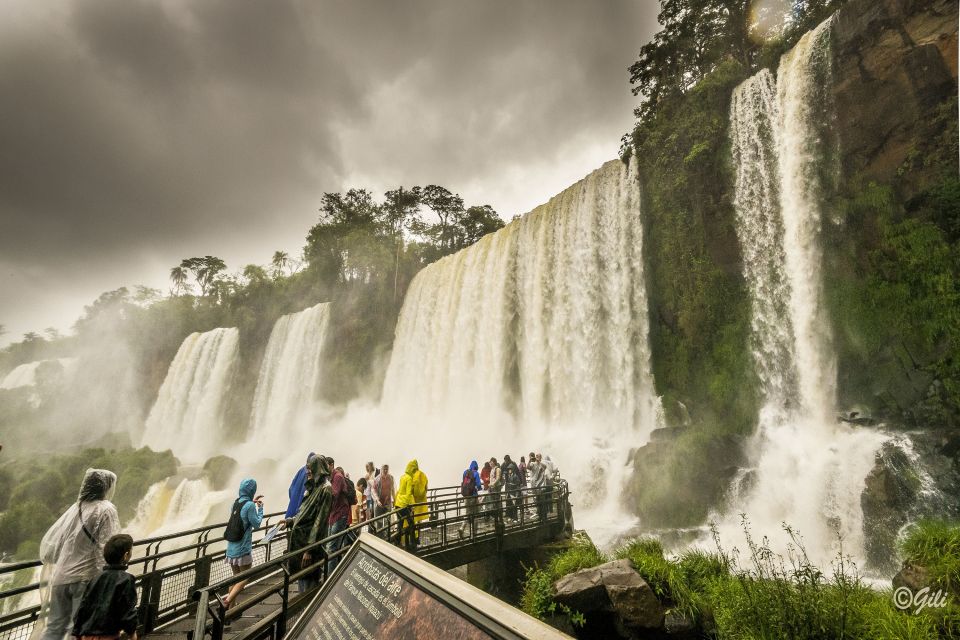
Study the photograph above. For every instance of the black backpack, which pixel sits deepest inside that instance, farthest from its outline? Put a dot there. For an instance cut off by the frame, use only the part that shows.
(351, 491)
(469, 486)
(235, 527)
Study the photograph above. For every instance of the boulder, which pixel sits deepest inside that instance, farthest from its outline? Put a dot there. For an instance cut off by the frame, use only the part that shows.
(613, 590)
(631, 597)
(912, 576)
(219, 470)
(681, 627)
(891, 488)
(582, 591)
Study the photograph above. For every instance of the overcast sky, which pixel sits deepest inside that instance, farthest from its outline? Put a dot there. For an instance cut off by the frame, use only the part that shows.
(134, 134)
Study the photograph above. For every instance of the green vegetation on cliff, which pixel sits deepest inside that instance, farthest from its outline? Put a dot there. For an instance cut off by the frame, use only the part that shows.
(39, 489)
(894, 259)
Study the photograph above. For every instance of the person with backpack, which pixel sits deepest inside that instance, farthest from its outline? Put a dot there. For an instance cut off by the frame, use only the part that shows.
(311, 521)
(72, 550)
(344, 497)
(246, 514)
(470, 485)
(511, 484)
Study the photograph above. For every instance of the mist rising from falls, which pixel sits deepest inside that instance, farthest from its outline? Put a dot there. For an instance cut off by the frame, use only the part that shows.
(809, 472)
(290, 378)
(536, 338)
(188, 414)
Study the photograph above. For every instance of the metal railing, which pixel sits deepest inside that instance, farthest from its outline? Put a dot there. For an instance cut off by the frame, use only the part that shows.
(184, 574)
(493, 518)
(170, 568)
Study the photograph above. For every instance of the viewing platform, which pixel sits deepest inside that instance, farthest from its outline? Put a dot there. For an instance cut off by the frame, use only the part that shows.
(182, 578)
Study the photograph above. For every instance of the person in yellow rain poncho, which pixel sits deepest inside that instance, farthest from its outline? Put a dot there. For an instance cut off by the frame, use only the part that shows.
(412, 489)
(419, 491)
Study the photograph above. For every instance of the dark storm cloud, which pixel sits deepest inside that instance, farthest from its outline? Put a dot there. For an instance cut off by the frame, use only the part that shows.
(136, 133)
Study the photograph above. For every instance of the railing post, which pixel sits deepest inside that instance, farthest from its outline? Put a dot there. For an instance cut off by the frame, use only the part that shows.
(284, 606)
(201, 578)
(150, 600)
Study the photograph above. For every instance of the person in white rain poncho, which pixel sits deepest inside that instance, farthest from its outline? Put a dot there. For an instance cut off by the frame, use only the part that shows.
(72, 550)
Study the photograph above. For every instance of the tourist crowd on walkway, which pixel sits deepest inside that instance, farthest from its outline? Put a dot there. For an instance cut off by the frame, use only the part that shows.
(85, 556)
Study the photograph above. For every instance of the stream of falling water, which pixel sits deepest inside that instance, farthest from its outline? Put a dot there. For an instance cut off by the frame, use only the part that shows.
(535, 338)
(808, 471)
(289, 379)
(188, 414)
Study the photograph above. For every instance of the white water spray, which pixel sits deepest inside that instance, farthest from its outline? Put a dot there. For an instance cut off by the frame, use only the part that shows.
(809, 472)
(188, 414)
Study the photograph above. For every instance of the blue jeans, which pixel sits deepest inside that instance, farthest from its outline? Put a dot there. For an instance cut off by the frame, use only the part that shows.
(334, 545)
(64, 602)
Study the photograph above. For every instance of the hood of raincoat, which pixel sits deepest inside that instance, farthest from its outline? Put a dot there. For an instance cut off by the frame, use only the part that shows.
(412, 467)
(248, 488)
(98, 484)
(318, 467)
(473, 465)
(310, 455)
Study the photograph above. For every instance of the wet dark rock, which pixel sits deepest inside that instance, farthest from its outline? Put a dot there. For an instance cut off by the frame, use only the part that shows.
(612, 595)
(914, 577)
(219, 470)
(681, 627)
(892, 488)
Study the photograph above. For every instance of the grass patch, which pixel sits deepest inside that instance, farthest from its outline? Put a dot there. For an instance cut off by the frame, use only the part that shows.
(935, 546)
(769, 595)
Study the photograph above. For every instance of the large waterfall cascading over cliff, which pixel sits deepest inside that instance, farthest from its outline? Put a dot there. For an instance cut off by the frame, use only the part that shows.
(188, 414)
(809, 472)
(289, 378)
(538, 332)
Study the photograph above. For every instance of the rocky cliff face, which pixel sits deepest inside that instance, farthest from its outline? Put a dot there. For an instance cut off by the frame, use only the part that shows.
(895, 63)
(892, 224)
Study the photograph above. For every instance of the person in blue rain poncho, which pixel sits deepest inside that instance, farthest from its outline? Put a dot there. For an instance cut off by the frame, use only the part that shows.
(297, 488)
(240, 553)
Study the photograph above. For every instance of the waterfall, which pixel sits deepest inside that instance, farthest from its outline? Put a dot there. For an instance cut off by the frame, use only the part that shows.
(188, 414)
(176, 504)
(809, 472)
(28, 375)
(25, 375)
(289, 378)
(537, 335)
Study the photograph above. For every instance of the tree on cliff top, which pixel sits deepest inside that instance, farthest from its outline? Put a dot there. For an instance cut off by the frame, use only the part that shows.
(698, 35)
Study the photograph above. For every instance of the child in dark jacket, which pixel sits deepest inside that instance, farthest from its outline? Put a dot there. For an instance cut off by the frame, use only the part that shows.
(109, 603)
